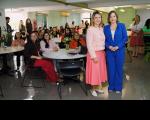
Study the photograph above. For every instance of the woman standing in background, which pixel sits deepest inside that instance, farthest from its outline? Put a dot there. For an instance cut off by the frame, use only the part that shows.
(96, 72)
(136, 36)
(22, 29)
(29, 28)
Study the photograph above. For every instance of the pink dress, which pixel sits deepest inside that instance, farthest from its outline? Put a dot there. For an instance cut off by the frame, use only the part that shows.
(96, 73)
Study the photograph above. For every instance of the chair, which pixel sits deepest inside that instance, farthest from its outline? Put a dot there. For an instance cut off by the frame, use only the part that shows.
(1, 91)
(147, 51)
(71, 69)
(33, 73)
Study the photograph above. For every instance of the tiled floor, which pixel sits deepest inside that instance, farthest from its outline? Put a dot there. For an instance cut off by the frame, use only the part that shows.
(136, 87)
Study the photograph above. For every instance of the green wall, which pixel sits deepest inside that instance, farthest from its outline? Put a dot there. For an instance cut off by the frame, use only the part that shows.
(127, 16)
(105, 15)
(32, 15)
(55, 18)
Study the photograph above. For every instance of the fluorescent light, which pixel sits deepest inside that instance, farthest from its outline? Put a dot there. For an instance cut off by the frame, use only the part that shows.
(122, 10)
(74, 1)
(115, 7)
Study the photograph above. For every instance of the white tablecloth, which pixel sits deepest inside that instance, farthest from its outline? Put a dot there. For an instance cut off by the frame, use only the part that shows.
(10, 50)
(62, 54)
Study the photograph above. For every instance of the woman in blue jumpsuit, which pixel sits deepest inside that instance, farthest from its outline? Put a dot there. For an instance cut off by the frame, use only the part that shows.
(116, 38)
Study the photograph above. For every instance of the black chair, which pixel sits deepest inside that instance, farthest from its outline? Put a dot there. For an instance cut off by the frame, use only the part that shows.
(1, 91)
(72, 70)
(33, 73)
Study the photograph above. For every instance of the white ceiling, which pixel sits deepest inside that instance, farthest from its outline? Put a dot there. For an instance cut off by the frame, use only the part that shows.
(25, 3)
(43, 5)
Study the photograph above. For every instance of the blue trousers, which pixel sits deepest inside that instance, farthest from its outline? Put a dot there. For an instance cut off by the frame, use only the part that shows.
(115, 62)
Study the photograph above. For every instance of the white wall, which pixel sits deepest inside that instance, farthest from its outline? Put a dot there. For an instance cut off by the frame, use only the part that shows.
(144, 14)
(2, 19)
(85, 15)
(15, 17)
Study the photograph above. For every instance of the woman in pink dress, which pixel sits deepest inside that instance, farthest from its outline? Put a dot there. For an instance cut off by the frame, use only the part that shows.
(96, 72)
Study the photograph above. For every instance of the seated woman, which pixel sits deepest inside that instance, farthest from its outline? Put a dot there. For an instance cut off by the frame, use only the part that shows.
(18, 41)
(65, 39)
(40, 35)
(32, 50)
(55, 33)
(77, 41)
(47, 44)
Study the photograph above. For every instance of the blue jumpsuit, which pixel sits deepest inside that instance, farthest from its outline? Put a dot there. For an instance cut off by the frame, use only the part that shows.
(115, 60)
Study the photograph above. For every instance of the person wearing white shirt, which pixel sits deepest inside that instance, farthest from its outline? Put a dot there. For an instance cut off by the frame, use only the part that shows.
(72, 25)
(136, 36)
(47, 44)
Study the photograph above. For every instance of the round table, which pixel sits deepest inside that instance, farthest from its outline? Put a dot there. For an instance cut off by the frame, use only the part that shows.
(62, 54)
(8, 50)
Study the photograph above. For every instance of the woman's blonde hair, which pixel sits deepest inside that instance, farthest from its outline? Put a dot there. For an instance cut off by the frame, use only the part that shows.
(93, 15)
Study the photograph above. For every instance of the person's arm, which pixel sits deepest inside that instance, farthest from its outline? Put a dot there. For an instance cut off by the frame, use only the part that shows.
(89, 38)
(107, 41)
(22, 43)
(36, 57)
(124, 37)
(13, 43)
(82, 42)
(55, 47)
(42, 45)
(28, 53)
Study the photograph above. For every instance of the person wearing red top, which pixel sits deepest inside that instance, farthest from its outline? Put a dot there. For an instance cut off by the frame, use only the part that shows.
(77, 41)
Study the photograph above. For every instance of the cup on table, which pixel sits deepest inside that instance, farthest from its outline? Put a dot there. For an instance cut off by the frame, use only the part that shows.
(67, 47)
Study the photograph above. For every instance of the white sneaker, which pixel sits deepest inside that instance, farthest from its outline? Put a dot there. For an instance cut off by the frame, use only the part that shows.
(118, 92)
(100, 91)
(93, 92)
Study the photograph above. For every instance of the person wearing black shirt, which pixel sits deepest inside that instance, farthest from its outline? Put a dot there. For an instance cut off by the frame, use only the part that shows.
(9, 32)
(33, 57)
(29, 28)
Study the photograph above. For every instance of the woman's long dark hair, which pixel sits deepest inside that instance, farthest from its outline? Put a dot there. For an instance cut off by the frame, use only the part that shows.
(109, 15)
(16, 35)
(46, 43)
(147, 23)
(68, 34)
(29, 26)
